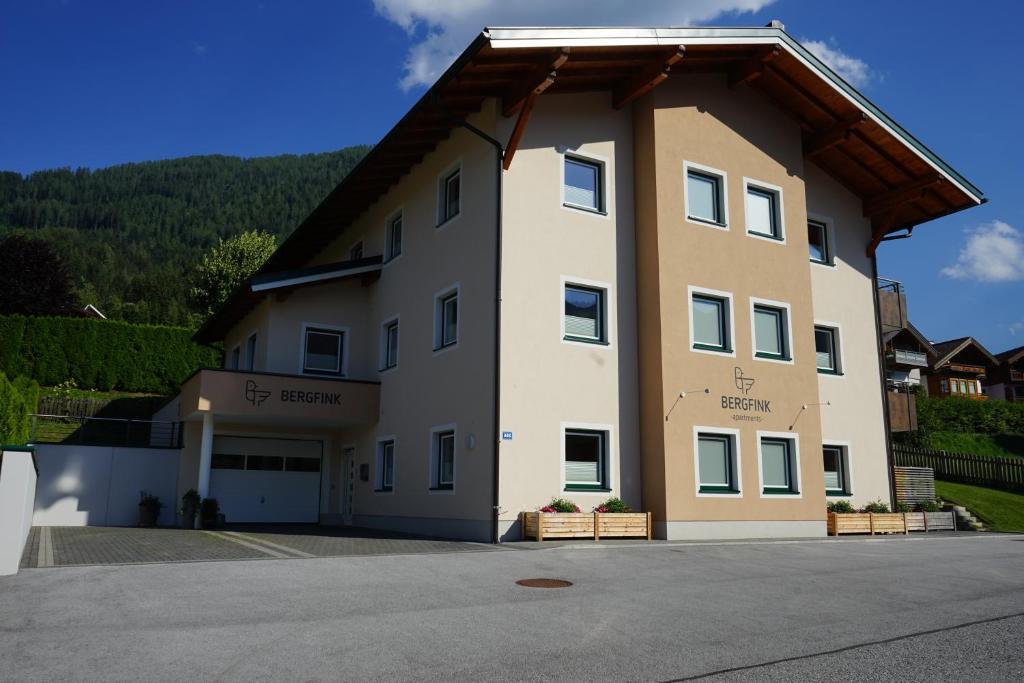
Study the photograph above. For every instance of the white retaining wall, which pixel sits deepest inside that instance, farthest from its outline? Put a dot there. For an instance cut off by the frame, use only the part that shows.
(100, 485)
(17, 492)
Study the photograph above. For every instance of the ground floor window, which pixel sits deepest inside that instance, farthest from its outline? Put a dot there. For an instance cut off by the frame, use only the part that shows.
(585, 466)
(385, 465)
(779, 466)
(836, 479)
(443, 456)
(716, 463)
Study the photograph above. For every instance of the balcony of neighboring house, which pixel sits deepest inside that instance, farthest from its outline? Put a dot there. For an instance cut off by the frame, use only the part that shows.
(892, 304)
(907, 358)
(901, 402)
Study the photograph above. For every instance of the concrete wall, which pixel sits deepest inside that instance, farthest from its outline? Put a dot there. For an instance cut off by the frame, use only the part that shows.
(17, 494)
(100, 485)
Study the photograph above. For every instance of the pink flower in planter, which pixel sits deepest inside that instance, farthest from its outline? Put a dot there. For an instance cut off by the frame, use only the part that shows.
(601, 508)
(547, 508)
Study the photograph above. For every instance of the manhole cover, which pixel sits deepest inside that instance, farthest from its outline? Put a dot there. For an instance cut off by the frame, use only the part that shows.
(544, 583)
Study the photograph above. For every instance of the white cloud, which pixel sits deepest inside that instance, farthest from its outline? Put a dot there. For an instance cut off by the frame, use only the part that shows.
(855, 71)
(994, 252)
(198, 49)
(1016, 327)
(443, 29)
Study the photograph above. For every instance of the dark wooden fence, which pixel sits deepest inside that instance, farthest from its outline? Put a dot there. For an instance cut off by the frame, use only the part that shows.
(914, 484)
(982, 470)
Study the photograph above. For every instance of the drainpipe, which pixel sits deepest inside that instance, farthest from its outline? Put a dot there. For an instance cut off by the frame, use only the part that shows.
(881, 377)
(499, 151)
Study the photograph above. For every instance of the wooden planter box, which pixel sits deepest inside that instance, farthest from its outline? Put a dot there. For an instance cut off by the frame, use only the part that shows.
(597, 525)
(889, 522)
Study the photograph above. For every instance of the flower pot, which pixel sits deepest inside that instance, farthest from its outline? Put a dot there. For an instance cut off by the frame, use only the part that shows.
(595, 525)
(148, 515)
(188, 515)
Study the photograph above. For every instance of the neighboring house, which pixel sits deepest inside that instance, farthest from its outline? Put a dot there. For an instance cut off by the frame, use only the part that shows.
(959, 369)
(905, 352)
(587, 263)
(91, 311)
(1005, 380)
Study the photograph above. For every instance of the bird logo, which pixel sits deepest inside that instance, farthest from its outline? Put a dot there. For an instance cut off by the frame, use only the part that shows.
(253, 393)
(742, 383)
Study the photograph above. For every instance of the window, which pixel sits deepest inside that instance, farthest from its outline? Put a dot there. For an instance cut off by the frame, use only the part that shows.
(836, 481)
(764, 212)
(817, 240)
(585, 456)
(268, 463)
(385, 465)
(584, 184)
(972, 387)
(716, 463)
(302, 464)
(778, 466)
(235, 359)
(709, 323)
(323, 351)
(450, 193)
(584, 317)
(443, 476)
(826, 350)
(356, 252)
(705, 196)
(446, 319)
(770, 333)
(943, 386)
(393, 238)
(389, 345)
(250, 352)
(227, 461)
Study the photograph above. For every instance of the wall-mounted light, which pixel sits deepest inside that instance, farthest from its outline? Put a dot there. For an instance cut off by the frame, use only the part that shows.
(803, 408)
(684, 394)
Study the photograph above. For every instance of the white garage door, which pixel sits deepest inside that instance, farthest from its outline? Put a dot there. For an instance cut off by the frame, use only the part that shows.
(266, 480)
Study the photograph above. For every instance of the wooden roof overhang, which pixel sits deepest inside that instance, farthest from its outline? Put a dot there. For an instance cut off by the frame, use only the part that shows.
(901, 182)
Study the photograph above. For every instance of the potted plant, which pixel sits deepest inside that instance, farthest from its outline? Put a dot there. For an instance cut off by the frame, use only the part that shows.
(208, 512)
(614, 518)
(561, 518)
(189, 508)
(149, 509)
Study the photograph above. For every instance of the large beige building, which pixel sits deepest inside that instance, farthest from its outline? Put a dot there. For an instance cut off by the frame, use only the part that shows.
(587, 263)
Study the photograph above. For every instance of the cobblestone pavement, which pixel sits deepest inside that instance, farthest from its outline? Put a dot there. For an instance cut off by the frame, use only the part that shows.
(79, 546)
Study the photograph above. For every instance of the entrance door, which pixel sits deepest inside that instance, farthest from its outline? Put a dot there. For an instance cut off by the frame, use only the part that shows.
(348, 463)
(266, 480)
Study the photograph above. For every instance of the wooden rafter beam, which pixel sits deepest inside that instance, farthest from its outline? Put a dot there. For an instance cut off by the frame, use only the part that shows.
(645, 80)
(517, 131)
(886, 202)
(537, 82)
(880, 227)
(752, 68)
(834, 135)
(804, 93)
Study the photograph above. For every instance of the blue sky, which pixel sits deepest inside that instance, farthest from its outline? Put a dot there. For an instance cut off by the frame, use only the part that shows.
(100, 83)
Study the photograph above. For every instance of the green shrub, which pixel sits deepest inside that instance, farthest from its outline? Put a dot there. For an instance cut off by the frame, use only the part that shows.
(956, 414)
(613, 505)
(875, 506)
(927, 506)
(903, 507)
(840, 506)
(100, 354)
(560, 505)
(18, 399)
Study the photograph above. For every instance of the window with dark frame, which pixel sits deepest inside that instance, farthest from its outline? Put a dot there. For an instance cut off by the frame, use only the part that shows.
(818, 243)
(386, 467)
(710, 316)
(763, 217)
(323, 351)
(586, 454)
(778, 466)
(450, 196)
(250, 352)
(583, 185)
(584, 314)
(390, 344)
(826, 350)
(770, 333)
(716, 464)
(444, 448)
(235, 359)
(834, 462)
(394, 238)
(704, 197)
(447, 320)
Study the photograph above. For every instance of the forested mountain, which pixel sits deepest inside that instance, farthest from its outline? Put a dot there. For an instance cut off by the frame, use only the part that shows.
(130, 234)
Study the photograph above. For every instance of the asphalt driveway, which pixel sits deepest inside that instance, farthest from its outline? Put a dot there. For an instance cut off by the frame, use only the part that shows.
(916, 609)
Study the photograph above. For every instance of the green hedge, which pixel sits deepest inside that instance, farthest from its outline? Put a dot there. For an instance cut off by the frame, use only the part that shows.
(18, 398)
(100, 354)
(969, 415)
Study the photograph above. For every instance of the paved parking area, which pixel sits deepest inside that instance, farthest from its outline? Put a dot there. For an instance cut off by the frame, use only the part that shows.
(83, 546)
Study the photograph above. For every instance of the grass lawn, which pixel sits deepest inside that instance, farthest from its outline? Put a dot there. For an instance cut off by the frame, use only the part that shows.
(999, 445)
(1000, 510)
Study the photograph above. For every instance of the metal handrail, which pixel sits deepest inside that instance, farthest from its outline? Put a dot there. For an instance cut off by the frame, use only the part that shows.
(148, 433)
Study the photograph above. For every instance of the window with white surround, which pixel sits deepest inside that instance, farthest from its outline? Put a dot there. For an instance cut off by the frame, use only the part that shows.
(250, 352)
(819, 243)
(779, 468)
(385, 465)
(717, 463)
(393, 238)
(235, 358)
(586, 456)
(446, 319)
(771, 332)
(705, 195)
(389, 345)
(826, 350)
(449, 196)
(836, 464)
(710, 321)
(442, 476)
(583, 183)
(584, 314)
(764, 210)
(323, 350)
(356, 252)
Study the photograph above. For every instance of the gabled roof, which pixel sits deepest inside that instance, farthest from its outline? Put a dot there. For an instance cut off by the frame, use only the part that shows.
(1011, 356)
(947, 350)
(901, 181)
(916, 334)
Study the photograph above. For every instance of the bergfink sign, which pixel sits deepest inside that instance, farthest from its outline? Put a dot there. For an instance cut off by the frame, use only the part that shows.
(744, 407)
